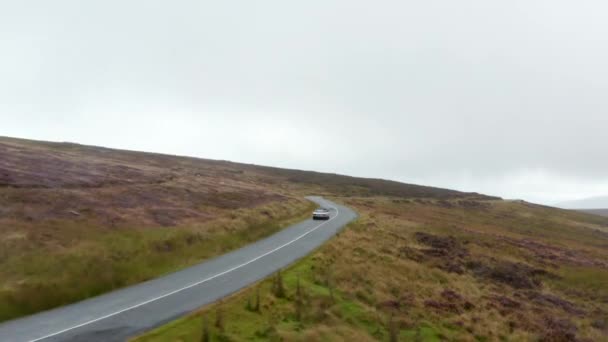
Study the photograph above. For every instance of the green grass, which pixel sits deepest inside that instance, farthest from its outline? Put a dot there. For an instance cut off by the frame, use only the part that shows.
(351, 284)
(277, 320)
(589, 282)
(278, 316)
(44, 278)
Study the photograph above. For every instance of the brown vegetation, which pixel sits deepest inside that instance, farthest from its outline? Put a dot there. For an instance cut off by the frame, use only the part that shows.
(65, 207)
(420, 263)
(437, 269)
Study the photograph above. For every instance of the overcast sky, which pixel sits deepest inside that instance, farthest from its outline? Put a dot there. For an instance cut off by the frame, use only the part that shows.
(508, 98)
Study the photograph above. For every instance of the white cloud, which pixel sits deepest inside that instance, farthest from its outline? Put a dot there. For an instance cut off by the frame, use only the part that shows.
(506, 98)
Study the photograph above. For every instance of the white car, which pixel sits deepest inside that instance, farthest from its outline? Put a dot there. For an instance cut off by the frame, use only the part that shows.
(320, 214)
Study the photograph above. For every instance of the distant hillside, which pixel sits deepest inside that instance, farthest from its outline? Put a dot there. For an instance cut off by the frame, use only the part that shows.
(586, 203)
(30, 164)
(602, 212)
(67, 208)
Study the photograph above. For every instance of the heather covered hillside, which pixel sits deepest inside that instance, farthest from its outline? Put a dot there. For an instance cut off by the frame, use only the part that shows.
(110, 218)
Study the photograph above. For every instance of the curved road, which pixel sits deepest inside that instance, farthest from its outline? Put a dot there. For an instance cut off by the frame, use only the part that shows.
(121, 314)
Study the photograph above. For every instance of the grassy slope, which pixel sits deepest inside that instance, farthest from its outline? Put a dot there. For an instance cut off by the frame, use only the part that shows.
(76, 221)
(413, 269)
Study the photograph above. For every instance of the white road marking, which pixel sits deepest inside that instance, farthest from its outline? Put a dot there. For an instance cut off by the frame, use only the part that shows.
(186, 287)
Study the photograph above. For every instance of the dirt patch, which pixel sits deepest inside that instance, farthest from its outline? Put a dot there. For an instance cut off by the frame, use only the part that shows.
(442, 306)
(447, 253)
(600, 324)
(435, 241)
(441, 246)
(451, 296)
(558, 330)
(402, 303)
(449, 301)
(506, 302)
(503, 304)
(552, 301)
(412, 254)
(517, 275)
(555, 255)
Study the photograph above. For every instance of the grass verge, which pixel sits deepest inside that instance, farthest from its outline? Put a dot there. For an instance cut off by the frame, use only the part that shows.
(101, 261)
(427, 270)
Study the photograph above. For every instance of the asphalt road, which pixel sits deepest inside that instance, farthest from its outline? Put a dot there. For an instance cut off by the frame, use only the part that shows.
(124, 313)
